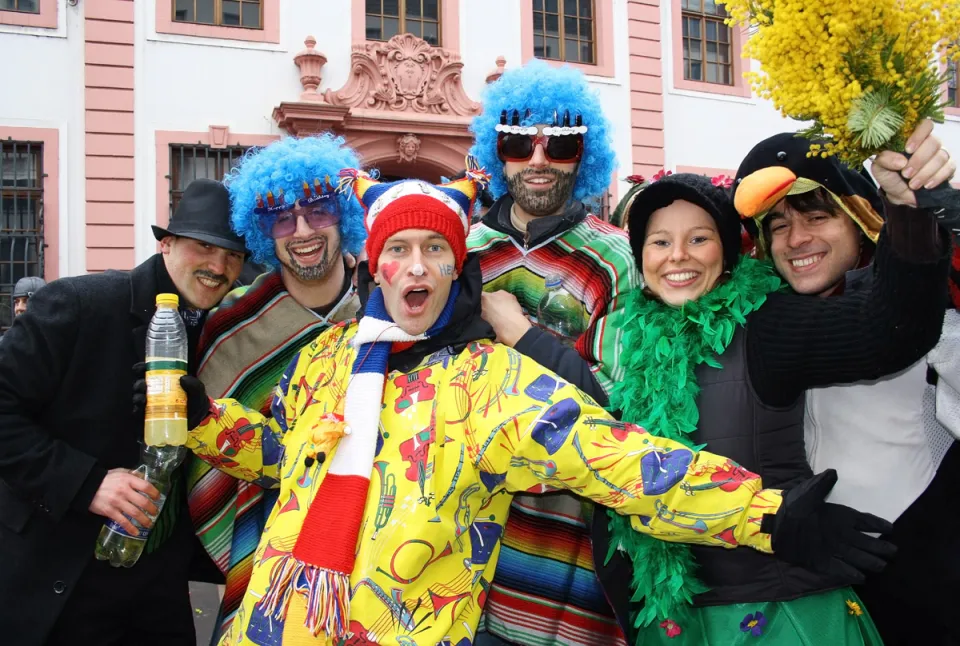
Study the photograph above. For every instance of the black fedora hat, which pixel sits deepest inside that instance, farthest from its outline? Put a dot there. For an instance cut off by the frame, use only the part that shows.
(203, 214)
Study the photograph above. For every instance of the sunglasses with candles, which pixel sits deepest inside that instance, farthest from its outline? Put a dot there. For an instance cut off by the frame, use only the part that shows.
(562, 141)
(556, 148)
(284, 224)
(319, 208)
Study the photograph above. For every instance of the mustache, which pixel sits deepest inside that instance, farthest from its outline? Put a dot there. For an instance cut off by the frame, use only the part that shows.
(203, 273)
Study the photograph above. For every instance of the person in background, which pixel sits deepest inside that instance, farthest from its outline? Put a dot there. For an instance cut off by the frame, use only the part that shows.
(23, 291)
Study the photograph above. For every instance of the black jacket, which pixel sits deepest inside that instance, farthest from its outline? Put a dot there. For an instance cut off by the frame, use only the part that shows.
(66, 418)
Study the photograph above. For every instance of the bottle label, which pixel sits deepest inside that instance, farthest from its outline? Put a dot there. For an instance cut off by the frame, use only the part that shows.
(165, 397)
(139, 536)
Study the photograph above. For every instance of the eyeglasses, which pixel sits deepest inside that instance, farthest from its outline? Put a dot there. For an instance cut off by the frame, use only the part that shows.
(285, 223)
(513, 147)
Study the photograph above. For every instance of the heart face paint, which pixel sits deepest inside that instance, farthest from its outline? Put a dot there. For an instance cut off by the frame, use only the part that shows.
(389, 270)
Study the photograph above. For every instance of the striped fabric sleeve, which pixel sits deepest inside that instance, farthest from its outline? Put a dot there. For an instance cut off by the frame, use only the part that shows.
(244, 443)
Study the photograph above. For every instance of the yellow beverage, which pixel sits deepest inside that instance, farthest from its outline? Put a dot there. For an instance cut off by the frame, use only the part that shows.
(165, 432)
(165, 419)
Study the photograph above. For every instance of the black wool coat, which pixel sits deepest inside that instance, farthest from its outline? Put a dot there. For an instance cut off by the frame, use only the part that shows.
(66, 418)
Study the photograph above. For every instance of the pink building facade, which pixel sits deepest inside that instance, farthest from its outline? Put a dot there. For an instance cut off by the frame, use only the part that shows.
(114, 105)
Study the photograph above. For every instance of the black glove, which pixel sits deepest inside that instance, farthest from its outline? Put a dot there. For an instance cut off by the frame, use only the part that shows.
(827, 538)
(198, 404)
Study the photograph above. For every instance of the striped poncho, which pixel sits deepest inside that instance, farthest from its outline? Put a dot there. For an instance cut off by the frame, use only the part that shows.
(545, 592)
(245, 346)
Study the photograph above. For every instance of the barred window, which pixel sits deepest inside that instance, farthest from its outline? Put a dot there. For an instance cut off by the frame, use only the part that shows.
(706, 42)
(25, 6)
(564, 30)
(387, 18)
(21, 218)
(222, 13)
(953, 80)
(188, 163)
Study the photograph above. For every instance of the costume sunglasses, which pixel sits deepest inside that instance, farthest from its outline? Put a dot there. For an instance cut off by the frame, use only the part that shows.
(513, 147)
(285, 223)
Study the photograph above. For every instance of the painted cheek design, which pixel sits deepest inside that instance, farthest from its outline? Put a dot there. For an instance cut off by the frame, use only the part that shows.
(446, 270)
(389, 270)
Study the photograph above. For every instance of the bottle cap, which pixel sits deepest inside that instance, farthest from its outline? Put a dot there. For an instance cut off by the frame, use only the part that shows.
(554, 280)
(170, 300)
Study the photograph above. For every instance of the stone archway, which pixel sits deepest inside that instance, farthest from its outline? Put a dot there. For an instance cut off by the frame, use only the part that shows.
(433, 155)
(403, 109)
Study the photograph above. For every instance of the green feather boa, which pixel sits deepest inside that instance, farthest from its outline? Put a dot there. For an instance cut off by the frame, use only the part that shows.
(662, 347)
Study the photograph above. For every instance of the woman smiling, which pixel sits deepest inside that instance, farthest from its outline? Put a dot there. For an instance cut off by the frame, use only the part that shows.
(711, 350)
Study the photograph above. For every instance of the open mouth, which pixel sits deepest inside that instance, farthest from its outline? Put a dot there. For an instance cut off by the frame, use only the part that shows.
(807, 263)
(681, 278)
(415, 298)
(539, 181)
(308, 253)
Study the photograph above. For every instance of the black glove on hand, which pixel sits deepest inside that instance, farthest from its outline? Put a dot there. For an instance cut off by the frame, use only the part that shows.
(827, 538)
(198, 404)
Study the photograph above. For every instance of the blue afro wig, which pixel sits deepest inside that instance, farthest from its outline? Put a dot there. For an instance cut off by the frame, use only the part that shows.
(287, 164)
(543, 89)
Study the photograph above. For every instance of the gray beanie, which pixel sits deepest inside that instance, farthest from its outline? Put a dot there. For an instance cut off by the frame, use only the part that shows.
(27, 286)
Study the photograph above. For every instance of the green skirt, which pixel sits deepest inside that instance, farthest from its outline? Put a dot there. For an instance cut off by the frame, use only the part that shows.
(837, 618)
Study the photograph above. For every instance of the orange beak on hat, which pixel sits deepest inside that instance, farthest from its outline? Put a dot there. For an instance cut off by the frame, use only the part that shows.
(760, 191)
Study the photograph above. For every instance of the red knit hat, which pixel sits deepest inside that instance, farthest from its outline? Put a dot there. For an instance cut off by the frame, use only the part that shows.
(415, 204)
(417, 211)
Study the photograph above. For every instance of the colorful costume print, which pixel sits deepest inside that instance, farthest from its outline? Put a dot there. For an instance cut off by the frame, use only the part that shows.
(459, 434)
(246, 344)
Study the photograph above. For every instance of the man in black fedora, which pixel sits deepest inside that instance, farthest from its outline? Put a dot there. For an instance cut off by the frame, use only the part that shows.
(68, 438)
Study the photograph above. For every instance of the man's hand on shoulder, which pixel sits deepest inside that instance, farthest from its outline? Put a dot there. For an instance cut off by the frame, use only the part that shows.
(503, 312)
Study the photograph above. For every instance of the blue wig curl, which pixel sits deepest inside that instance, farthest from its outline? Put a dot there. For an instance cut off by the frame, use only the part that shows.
(287, 164)
(543, 89)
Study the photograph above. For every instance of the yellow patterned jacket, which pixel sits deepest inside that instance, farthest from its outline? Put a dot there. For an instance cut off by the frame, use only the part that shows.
(459, 435)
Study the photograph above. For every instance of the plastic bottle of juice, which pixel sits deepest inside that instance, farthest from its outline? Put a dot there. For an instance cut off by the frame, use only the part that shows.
(165, 422)
(115, 544)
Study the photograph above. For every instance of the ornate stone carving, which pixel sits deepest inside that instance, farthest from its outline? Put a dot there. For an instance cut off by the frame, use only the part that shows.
(310, 62)
(408, 147)
(497, 73)
(405, 74)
